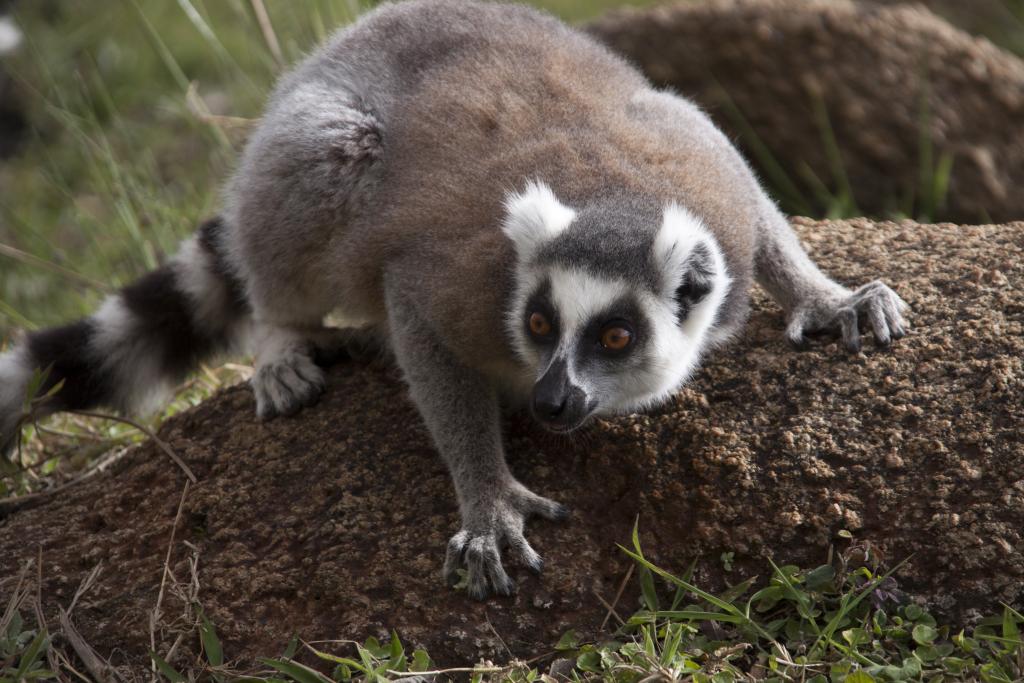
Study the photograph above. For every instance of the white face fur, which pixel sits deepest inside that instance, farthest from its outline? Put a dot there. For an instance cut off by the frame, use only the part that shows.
(598, 343)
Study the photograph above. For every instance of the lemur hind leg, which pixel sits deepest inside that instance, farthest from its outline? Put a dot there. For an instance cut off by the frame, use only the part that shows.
(307, 170)
(461, 412)
(812, 301)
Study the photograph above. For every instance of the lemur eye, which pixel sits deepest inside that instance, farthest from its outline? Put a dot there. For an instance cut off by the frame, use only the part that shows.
(616, 337)
(540, 326)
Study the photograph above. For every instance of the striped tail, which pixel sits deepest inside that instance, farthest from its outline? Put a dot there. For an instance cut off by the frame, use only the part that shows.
(139, 344)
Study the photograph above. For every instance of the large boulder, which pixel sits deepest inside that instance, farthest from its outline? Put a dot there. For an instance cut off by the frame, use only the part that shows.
(845, 95)
(332, 524)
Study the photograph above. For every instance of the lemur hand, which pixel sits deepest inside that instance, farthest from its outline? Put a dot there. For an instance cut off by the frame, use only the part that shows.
(841, 310)
(491, 525)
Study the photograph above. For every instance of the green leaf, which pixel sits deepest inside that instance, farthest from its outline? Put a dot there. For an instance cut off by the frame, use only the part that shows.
(859, 677)
(396, 652)
(688, 615)
(211, 644)
(32, 654)
(820, 578)
(913, 612)
(293, 647)
(420, 661)
(911, 668)
(14, 628)
(734, 593)
(856, 636)
(766, 598)
(647, 589)
(297, 672)
(589, 662)
(924, 634)
(166, 670)
(1010, 630)
(344, 661)
(568, 641)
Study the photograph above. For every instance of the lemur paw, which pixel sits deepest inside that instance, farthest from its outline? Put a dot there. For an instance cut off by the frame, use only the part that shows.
(497, 524)
(287, 384)
(882, 306)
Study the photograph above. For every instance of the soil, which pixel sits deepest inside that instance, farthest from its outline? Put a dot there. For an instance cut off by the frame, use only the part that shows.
(332, 524)
(836, 92)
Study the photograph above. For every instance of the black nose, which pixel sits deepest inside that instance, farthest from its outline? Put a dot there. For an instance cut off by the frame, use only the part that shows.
(549, 407)
(551, 393)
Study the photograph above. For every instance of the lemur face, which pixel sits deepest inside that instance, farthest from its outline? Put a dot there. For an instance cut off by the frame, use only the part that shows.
(614, 303)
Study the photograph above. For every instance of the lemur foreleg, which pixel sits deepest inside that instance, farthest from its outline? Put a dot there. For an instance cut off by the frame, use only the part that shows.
(461, 412)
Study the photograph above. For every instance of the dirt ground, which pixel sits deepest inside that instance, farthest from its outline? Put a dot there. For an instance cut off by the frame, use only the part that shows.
(332, 524)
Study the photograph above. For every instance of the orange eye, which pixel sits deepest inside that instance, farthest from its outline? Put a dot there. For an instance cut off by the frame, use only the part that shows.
(616, 338)
(540, 326)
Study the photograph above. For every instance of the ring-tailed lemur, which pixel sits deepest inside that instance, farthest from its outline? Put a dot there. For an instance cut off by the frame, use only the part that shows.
(510, 208)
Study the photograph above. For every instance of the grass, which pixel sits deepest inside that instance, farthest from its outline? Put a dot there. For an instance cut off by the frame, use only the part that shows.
(844, 621)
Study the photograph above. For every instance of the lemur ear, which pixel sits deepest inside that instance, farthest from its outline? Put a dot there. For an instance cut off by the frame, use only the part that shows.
(534, 216)
(687, 257)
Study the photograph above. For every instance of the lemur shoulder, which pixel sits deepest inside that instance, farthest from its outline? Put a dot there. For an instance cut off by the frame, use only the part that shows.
(512, 211)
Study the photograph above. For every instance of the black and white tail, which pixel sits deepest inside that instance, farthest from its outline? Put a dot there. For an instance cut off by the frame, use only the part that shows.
(139, 344)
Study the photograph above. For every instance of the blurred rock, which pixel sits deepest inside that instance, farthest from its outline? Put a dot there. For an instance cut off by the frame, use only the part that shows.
(895, 87)
(995, 19)
(332, 524)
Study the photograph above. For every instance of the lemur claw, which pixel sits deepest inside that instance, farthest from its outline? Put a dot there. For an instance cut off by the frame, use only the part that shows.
(287, 385)
(881, 306)
(479, 549)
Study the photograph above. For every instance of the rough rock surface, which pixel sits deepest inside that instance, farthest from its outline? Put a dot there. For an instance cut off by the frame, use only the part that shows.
(874, 77)
(332, 524)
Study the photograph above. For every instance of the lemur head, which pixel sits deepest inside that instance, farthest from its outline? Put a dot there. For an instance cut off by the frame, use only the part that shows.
(614, 301)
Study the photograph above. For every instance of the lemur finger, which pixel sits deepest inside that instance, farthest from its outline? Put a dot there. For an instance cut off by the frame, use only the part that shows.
(453, 557)
(484, 565)
(544, 507)
(876, 315)
(847, 318)
(524, 552)
(499, 579)
(293, 391)
(893, 305)
(795, 331)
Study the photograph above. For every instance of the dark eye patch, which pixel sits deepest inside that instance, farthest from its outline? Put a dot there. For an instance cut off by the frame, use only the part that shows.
(627, 312)
(540, 302)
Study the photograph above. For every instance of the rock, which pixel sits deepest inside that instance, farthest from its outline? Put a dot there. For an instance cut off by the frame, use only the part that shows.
(332, 524)
(896, 88)
(994, 19)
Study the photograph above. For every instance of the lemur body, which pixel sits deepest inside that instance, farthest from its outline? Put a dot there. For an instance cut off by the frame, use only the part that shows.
(506, 206)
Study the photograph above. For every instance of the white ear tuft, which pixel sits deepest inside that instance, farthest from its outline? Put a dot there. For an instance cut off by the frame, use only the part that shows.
(681, 231)
(534, 216)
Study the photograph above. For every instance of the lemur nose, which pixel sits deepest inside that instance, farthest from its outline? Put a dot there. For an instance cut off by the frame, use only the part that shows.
(551, 392)
(549, 407)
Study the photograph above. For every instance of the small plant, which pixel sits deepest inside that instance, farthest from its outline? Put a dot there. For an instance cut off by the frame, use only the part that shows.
(842, 621)
(22, 651)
